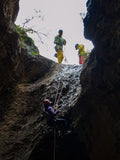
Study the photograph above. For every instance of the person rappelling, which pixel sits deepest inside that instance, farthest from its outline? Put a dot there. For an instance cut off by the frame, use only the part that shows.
(59, 124)
(51, 112)
(48, 108)
(59, 41)
(81, 53)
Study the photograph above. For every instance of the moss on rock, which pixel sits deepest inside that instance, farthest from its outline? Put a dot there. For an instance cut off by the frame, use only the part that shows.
(27, 42)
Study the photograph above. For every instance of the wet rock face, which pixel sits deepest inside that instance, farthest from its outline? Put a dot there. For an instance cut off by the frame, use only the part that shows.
(64, 89)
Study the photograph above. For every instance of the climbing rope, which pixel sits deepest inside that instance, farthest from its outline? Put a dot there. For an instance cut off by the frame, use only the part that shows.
(56, 108)
(57, 94)
(57, 90)
(54, 148)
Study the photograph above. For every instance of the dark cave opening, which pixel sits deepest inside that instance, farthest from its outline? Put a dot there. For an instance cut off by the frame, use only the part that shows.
(68, 147)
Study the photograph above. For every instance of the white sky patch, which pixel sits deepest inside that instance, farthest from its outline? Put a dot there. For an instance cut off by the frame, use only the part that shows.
(58, 14)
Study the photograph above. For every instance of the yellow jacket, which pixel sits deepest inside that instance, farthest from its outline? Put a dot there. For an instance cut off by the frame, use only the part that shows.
(81, 51)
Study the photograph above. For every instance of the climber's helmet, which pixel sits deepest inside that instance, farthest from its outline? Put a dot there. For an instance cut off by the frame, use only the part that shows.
(47, 102)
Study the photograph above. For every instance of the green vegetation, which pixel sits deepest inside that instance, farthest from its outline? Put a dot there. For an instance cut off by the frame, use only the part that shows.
(26, 41)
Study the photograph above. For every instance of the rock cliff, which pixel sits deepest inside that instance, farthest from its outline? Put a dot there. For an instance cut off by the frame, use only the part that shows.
(89, 102)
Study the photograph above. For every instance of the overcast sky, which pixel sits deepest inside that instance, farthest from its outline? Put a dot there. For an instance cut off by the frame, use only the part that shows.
(58, 14)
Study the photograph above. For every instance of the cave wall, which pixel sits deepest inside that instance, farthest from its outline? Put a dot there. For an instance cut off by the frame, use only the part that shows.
(9, 44)
(16, 65)
(100, 79)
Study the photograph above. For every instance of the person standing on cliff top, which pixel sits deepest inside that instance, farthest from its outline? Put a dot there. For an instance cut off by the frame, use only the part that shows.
(59, 41)
(81, 53)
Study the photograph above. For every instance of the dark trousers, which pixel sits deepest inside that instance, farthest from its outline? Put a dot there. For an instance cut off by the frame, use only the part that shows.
(58, 123)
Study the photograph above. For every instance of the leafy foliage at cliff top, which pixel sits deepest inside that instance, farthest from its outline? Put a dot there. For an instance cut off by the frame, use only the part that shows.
(25, 41)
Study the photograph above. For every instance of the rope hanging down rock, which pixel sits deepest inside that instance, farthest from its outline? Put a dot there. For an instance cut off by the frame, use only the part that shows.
(58, 94)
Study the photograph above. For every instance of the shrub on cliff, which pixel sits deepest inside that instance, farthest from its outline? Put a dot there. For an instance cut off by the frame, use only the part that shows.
(26, 41)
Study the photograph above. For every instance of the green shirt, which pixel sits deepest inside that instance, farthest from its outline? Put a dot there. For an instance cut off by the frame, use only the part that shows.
(59, 40)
